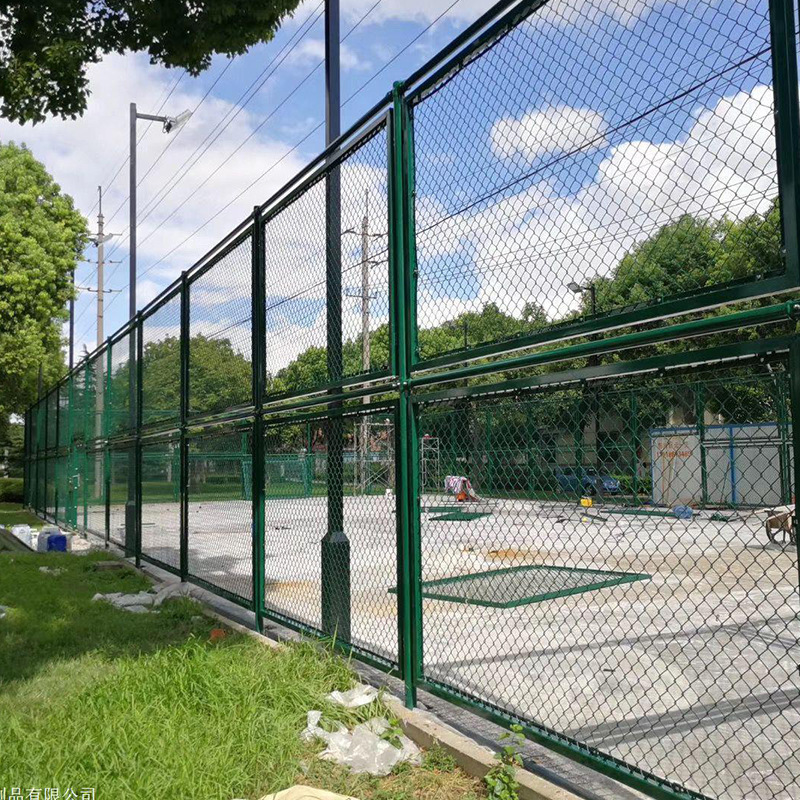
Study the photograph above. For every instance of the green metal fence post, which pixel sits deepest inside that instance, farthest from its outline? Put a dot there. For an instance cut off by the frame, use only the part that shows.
(259, 356)
(407, 450)
(130, 504)
(108, 402)
(183, 445)
(787, 126)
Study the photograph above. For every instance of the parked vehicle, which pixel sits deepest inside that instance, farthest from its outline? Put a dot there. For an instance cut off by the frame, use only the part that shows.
(586, 480)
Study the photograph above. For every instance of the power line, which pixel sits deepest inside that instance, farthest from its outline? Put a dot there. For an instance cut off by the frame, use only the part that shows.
(308, 135)
(227, 118)
(254, 131)
(305, 138)
(122, 165)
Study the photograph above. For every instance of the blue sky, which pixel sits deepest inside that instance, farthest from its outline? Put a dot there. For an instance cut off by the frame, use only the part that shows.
(572, 79)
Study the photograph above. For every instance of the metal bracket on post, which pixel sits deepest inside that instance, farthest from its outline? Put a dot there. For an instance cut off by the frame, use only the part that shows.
(259, 358)
(183, 446)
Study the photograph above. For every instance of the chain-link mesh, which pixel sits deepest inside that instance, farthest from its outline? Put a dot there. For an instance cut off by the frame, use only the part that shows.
(50, 488)
(161, 364)
(78, 406)
(302, 481)
(220, 514)
(121, 463)
(609, 561)
(52, 420)
(95, 393)
(297, 256)
(615, 562)
(220, 334)
(94, 491)
(620, 154)
(160, 499)
(121, 400)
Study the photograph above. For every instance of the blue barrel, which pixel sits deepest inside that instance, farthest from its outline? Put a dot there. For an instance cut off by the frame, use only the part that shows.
(56, 542)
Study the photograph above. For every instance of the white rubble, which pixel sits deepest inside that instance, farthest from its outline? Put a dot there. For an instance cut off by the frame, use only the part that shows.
(143, 601)
(363, 750)
(361, 695)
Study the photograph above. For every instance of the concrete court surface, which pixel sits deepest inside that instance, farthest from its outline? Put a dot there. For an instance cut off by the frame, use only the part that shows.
(691, 673)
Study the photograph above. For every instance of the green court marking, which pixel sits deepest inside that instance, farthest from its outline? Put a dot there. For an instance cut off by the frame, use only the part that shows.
(519, 586)
(639, 512)
(460, 516)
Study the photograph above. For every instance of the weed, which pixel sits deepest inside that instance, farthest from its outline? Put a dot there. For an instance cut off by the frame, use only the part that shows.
(501, 780)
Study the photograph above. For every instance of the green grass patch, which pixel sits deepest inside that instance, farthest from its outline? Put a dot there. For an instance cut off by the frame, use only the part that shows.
(15, 514)
(146, 705)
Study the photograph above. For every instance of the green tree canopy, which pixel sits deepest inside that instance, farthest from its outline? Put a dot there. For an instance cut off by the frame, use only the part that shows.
(42, 236)
(219, 377)
(48, 44)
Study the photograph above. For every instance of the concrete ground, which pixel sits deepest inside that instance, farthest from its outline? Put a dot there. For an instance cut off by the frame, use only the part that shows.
(690, 674)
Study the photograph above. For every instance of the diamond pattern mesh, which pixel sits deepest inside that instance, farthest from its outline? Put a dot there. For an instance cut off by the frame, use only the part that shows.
(220, 510)
(690, 674)
(298, 513)
(609, 560)
(161, 364)
(600, 125)
(296, 255)
(220, 344)
(120, 385)
(121, 462)
(160, 493)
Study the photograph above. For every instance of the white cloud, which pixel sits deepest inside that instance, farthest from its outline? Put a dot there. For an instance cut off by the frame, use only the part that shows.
(557, 129)
(528, 245)
(311, 51)
(84, 153)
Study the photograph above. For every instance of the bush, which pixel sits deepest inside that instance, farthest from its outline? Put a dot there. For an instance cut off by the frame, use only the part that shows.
(10, 490)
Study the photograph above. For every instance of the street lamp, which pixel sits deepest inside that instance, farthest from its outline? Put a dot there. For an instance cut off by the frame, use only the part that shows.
(170, 125)
(576, 288)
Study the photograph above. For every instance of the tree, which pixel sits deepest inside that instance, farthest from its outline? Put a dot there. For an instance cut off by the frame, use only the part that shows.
(42, 237)
(219, 378)
(47, 45)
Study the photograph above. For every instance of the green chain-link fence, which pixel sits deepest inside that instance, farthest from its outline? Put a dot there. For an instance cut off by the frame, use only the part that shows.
(428, 400)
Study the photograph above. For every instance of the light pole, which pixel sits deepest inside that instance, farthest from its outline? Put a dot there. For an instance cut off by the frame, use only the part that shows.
(335, 545)
(171, 125)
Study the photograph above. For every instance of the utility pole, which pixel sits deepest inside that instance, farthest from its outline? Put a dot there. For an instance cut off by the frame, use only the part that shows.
(99, 239)
(365, 296)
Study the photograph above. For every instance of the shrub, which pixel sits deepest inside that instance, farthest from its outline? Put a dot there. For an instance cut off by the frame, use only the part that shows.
(10, 490)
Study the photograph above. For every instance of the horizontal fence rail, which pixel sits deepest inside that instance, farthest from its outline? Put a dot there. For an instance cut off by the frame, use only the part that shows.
(429, 401)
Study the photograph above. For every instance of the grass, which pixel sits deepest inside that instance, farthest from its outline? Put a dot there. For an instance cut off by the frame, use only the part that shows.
(150, 705)
(15, 514)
